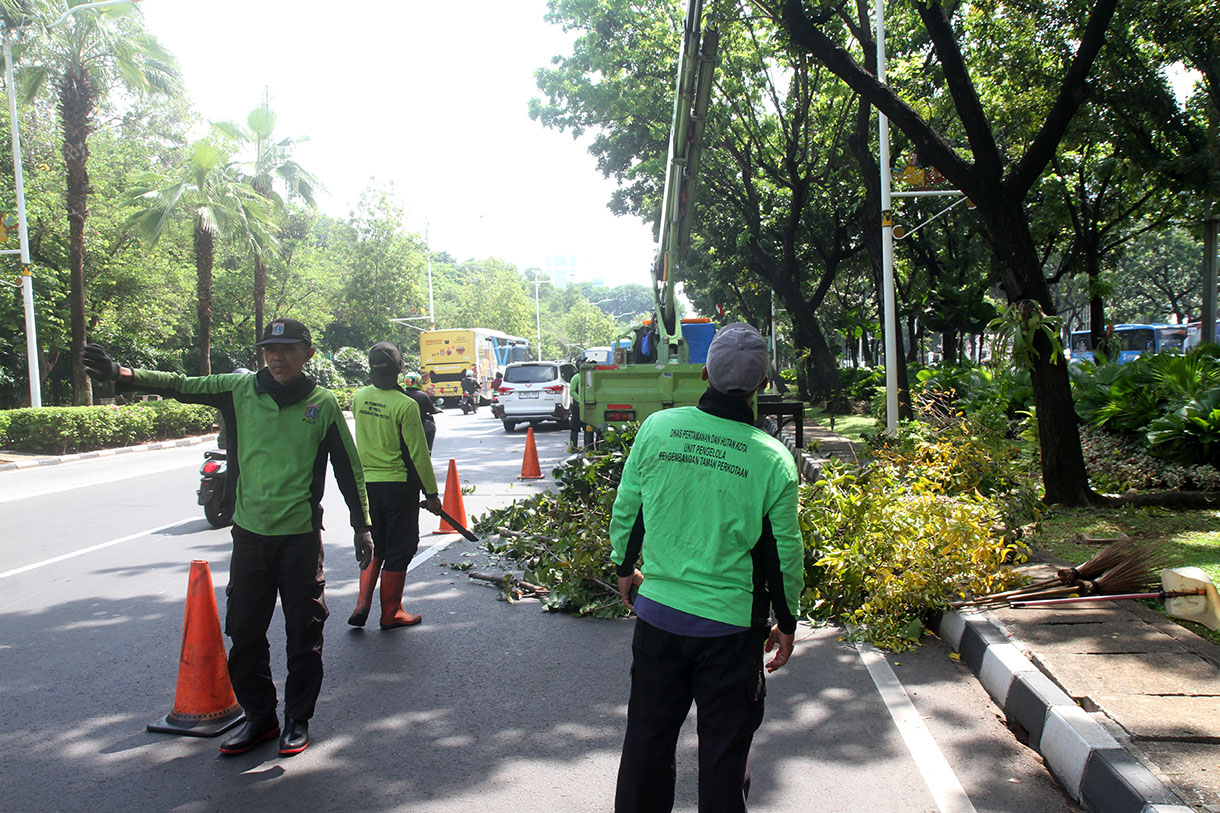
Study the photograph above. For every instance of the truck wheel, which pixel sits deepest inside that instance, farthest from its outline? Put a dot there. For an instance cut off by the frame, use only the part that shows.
(216, 512)
(509, 425)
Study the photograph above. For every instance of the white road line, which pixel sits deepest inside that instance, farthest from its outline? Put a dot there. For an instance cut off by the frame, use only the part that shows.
(431, 551)
(92, 548)
(946, 791)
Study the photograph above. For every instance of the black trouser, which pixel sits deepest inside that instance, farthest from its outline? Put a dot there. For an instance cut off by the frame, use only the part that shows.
(724, 676)
(394, 509)
(262, 566)
(574, 424)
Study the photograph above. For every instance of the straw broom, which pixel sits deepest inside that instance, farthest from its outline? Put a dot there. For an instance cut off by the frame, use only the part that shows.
(1067, 577)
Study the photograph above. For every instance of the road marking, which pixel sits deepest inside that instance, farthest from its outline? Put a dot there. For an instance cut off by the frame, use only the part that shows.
(946, 791)
(92, 548)
(431, 551)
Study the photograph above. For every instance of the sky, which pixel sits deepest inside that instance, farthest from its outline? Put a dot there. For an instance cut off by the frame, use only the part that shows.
(429, 96)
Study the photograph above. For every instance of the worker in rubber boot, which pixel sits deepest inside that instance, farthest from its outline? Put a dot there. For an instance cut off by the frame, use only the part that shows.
(282, 429)
(394, 453)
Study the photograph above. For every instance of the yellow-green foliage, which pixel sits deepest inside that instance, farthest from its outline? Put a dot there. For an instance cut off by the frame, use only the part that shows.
(886, 548)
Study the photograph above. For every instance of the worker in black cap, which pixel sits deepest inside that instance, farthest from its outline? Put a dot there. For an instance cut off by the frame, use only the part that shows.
(394, 453)
(282, 428)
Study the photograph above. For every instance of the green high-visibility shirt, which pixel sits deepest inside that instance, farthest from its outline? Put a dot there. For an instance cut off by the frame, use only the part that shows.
(710, 505)
(390, 437)
(276, 455)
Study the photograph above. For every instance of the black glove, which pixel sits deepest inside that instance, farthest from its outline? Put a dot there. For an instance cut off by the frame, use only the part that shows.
(98, 363)
(364, 547)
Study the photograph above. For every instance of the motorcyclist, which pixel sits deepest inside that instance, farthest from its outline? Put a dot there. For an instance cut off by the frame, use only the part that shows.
(427, 408)
(470, 390)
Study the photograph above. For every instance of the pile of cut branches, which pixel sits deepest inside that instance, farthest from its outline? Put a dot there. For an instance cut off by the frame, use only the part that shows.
(559, 539)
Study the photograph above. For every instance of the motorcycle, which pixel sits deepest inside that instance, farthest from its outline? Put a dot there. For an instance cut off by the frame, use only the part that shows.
(211, 491)
(469, 402)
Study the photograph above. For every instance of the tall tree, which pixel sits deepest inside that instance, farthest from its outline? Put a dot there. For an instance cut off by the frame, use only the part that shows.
(272, 171)
(86, 56)
(997, 179)
(220, 205)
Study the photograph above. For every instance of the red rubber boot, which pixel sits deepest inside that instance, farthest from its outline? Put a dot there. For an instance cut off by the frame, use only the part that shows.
(364, 603)
(393, 616)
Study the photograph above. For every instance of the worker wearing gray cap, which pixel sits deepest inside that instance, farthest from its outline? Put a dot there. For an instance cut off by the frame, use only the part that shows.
(709, 503)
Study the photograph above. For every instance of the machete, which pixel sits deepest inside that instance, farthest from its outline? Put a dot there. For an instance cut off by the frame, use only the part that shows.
(462, 529)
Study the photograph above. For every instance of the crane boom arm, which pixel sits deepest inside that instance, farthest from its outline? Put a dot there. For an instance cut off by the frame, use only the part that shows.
(696, 63)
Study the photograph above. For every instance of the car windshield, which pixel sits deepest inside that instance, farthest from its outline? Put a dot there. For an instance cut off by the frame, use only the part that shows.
(531, 374)
(1140, 339)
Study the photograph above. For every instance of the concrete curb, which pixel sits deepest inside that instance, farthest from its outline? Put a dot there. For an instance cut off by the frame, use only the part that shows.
(68, 458)
(1093, 767)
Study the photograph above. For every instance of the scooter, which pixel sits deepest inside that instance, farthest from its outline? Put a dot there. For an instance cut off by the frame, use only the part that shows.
(211, 491)
(469, 402)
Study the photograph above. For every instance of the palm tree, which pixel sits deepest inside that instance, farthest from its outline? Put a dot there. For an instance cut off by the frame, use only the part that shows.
(86, 55)
(273, 167)
(220, 204)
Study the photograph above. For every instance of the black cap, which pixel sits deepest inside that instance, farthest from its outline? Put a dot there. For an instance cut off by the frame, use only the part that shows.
(384, 360)
(285, 331)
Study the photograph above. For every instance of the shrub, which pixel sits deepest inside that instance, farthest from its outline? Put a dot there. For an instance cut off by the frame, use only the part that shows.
(60, 430)
(322, 370)
(885, 548)
(1118, 463)
(344, 396)
(5, 420)
(352, 365)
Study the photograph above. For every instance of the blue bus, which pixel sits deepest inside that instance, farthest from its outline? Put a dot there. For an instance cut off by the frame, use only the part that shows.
(1133, 341)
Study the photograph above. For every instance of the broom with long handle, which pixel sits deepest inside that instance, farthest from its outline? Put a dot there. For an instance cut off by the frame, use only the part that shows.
(1097, 564)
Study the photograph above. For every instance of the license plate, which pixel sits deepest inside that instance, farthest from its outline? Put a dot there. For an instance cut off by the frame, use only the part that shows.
(527, 394)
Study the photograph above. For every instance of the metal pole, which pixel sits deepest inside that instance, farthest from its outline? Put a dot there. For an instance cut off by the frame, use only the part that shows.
(537, 316)
(887, 243)
(1207, 331)
(428, 249)
(27, 279)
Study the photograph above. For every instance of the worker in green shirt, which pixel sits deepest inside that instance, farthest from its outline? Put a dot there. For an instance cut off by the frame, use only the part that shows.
(709, 504)
(394, 453)
(282, 429)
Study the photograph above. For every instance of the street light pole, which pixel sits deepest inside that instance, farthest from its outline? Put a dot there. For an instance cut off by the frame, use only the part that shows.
(538, 312)
(887, 244)
(27, 279)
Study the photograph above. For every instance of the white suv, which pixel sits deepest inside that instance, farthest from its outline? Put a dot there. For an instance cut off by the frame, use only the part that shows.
(533, 392)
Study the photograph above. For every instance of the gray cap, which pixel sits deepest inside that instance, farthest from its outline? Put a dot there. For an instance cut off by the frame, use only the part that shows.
(737, 359)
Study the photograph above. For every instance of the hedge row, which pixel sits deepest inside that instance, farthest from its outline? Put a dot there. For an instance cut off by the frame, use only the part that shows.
(63, 430)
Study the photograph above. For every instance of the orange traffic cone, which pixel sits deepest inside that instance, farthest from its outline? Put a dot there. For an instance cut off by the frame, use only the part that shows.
(529, 464)
(452, 502)
(204, 705)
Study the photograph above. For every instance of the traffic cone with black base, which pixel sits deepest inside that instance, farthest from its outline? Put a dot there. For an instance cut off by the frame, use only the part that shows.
(364, 602)
(204, 703)
(452, 503)
(393, 616)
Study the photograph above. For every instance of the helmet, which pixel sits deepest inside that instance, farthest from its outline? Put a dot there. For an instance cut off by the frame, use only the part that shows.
(410, 379)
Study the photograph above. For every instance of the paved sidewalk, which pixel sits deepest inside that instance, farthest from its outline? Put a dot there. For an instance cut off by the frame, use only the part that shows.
(1122, 703)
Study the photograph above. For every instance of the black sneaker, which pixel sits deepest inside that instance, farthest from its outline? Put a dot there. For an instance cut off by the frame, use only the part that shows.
(295, 738)
(251, 734)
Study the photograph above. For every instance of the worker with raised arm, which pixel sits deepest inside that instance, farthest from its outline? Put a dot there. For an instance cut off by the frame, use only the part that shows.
(282, 429)
(709, 503)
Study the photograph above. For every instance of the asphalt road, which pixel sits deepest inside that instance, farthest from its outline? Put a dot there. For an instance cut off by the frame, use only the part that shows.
(485, 706)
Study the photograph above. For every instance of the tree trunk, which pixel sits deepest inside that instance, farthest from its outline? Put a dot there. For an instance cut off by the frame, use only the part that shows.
(823, 373)
(76, 98)
(1064, 477)
(948, 346)
(1097, 313)
(204, 252)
